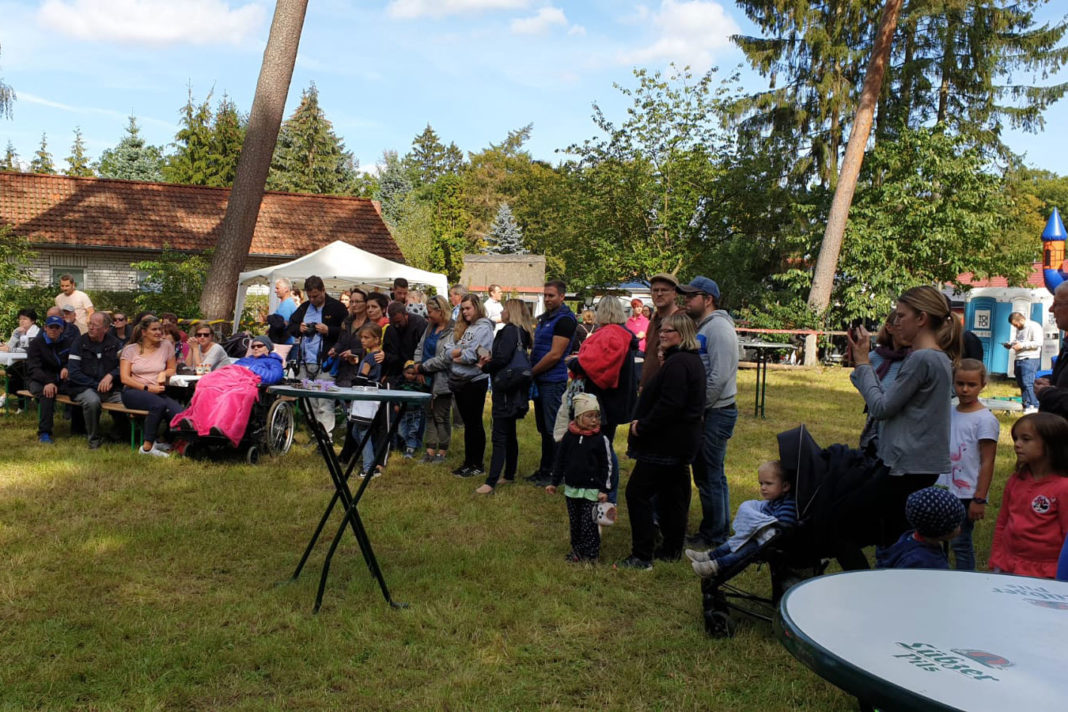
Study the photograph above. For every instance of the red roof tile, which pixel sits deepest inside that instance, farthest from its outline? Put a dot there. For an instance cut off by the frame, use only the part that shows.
(1035, 280)
(98, 212)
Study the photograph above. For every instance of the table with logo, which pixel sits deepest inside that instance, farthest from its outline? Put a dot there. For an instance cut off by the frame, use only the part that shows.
(912, 639)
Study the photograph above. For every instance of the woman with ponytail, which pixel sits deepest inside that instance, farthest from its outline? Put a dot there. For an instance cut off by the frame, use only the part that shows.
(914, 409)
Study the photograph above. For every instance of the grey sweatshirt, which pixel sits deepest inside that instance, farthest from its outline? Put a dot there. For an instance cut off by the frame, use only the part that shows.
(719, 353)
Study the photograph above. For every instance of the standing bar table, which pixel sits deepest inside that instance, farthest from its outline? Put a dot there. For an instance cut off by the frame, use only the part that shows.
(340, 473)
(925, 640)
(763, 348)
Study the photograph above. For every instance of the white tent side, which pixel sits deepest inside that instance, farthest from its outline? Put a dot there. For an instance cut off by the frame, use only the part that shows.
(340, 265)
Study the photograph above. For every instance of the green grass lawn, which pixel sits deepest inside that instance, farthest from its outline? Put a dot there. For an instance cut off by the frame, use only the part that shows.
(128, 582)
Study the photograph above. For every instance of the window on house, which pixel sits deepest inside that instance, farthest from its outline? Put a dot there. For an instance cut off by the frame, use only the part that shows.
(77, 272)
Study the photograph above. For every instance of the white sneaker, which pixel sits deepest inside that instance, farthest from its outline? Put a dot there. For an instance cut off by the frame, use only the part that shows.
(706, 569)
(1029, 410)
(154, 452)
(694, 555)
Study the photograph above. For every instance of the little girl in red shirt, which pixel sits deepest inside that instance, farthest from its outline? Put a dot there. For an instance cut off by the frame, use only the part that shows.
(1033, 521)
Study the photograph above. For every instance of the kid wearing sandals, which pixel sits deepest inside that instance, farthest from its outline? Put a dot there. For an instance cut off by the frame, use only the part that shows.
(585, 465)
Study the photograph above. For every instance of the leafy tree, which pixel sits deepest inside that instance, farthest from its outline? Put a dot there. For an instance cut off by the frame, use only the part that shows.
(449, 227)
(173, 282)
(132, 158)
(7, 99)
(10, 161)
(42, 160)
(15, 259)
(505, 237)
(309, 157)
(394, 185)
(414, 233)
(77, 161)
(926, 211)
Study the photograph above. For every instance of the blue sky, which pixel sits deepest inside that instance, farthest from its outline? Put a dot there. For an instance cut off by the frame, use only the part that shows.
(473, 69)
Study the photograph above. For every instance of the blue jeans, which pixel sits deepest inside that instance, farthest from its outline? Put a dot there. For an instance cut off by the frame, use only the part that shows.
(1025, 379)
(546, 405)
(710, 476)
(410, 428)
(358, 431)
(963, 551)
(727, 558)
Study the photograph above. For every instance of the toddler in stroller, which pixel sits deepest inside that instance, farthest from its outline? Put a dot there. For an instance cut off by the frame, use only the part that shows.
(804, 530)
(753, 523)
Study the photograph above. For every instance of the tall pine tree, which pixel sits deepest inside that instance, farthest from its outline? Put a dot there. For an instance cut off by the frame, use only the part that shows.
(10, 161)
(77, 161)
(42, 160)
(132, 158)
(505, 237)
(191, 161)
(309, 157)
(227, 137)
(394, 185)
(429, 159)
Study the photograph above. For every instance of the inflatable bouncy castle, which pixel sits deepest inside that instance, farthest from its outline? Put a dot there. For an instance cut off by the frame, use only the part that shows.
(1053, 251)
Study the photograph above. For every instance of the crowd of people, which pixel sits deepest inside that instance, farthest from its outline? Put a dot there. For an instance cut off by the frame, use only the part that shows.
(669, 377)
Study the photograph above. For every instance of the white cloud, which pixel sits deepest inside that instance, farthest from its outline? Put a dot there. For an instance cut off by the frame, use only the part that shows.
(577, 30)
(540, 23)
(153, 22)
(690, 32)
(413, 9)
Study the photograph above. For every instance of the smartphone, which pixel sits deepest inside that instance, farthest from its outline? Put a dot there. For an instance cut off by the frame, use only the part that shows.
(854, 328)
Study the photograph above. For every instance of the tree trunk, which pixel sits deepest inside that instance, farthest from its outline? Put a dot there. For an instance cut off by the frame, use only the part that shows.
(819, 298)
(220, 288)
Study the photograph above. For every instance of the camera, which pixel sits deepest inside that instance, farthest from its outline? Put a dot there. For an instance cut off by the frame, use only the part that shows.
(310, 325)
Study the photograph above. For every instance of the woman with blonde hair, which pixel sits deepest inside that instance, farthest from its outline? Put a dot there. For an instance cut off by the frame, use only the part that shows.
(473, 334)
(432, 359)
(509, 366)
(664, 436)
(913, 410)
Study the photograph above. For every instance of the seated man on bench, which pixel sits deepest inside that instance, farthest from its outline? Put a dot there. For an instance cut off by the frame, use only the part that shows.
(93, 373)
(46, 366)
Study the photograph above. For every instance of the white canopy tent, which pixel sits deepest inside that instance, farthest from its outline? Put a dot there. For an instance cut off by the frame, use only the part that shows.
(340, 265)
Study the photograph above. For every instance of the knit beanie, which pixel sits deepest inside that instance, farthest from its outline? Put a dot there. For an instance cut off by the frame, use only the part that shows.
(934, 512)
(265, 341)
(585, 402)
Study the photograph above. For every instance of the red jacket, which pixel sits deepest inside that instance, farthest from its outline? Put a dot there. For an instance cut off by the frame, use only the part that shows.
(602, 353)
(1032, 525)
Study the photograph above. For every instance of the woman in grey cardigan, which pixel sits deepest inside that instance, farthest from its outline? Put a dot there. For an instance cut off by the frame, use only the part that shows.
(914, 409)
(474, 337)
(433, 360)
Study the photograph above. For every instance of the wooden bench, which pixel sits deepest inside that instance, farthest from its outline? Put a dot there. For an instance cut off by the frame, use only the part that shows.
(136, 416)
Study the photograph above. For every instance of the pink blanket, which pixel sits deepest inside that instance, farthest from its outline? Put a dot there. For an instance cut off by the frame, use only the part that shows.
(223, 400)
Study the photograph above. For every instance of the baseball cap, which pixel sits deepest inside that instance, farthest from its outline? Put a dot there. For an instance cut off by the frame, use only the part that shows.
(68, 308)
(702, 285)
(55, 321)
(665, 277)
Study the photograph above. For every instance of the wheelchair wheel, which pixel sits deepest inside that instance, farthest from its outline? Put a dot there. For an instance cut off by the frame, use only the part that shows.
(278, 433)
(252, 455)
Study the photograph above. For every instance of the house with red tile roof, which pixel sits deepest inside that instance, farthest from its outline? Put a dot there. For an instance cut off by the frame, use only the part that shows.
(94, 228)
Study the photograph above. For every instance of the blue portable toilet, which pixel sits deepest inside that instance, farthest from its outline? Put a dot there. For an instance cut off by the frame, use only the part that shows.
(986, 314)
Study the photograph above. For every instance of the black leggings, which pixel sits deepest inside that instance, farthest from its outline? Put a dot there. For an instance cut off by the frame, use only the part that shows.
(471, 401)
(159, 407)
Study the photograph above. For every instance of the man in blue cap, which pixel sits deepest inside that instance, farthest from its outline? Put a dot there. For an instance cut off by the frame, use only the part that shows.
(719, 353)
(46, 366)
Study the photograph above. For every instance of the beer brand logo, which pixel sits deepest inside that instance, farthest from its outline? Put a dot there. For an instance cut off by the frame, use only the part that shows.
(991, 660)
(1055, 605)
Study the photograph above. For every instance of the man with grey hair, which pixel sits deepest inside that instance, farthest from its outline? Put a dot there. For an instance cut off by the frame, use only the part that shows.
(283, 289)
(93, 373)
(1052, 392)
(456, 295)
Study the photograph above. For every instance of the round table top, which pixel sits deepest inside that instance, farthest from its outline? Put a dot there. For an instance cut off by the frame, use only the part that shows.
(914, 639)
(327, 390)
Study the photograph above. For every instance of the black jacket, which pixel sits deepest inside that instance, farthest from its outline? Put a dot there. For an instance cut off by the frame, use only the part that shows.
(45, 359)
(334, 313)
(584, 461)
(90, 361)
(348, 340)
(617, 404)
(670, 410)
(513, 403)
(399, 346)
(1055, 398)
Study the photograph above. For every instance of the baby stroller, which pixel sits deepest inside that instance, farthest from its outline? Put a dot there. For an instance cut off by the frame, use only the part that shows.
(271, 425)
(823, 478)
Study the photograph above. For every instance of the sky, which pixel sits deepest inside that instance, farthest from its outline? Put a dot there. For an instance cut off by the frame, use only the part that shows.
(473, 69)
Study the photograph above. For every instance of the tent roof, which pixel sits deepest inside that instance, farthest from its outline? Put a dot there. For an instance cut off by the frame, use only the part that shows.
(342, 265)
